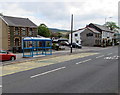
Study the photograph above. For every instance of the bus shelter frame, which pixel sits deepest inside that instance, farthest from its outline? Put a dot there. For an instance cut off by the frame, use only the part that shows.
(34, 49)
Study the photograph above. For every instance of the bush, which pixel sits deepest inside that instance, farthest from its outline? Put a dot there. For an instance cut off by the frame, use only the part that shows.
(55, 46)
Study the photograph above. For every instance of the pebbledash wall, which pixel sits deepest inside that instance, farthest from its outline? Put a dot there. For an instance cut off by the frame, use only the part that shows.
(0, 33)
(90, 40)
(3, 35)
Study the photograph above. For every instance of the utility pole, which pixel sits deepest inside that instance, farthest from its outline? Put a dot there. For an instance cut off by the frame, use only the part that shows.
(71, 31)
(106, 19)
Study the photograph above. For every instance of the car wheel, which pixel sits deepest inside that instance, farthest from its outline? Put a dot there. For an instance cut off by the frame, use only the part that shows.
(12, 58)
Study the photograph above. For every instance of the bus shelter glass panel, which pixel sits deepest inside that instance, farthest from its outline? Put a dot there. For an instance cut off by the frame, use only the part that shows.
(37, 47)
(48, 45)
(27, 50)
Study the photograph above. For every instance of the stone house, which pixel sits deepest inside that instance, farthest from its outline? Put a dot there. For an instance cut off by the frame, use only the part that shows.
(107, 36)
(90, 37)
(86, 36)
(13, 29)
(93, 35)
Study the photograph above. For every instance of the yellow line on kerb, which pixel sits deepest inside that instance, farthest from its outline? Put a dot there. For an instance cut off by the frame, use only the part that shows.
(29, 68)
(19, 71)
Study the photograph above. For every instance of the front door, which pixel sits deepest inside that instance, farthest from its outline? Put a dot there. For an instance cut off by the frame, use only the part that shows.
(17, 44)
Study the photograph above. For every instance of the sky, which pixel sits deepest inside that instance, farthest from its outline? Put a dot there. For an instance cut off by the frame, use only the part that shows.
(57, 13)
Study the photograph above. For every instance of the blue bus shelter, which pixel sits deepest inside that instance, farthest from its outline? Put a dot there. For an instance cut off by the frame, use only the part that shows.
(36, 46)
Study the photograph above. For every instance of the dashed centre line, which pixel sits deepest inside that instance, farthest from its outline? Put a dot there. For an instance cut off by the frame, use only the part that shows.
(47, 72)
(100, 56)
(83, 61)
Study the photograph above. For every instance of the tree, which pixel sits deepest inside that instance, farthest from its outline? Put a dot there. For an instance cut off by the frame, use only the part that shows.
(112, 26)
(43, 30)
(53, 35)
(56, 34)
(59, 35)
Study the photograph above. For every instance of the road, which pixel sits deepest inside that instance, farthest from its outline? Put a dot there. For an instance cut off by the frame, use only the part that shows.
(91, 74)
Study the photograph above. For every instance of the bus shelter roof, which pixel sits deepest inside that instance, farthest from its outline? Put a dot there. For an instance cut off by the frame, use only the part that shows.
(36, 39)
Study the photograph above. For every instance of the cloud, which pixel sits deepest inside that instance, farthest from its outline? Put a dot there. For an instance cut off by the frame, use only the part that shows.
(58, 14)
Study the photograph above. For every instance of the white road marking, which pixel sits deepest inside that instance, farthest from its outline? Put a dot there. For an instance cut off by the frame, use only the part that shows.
(0, 86)
(79, 62)
(107, 58)
(83, 61)
(109, 53)
(87, 60)
(100, 56)
(113, 57)
(47, 72)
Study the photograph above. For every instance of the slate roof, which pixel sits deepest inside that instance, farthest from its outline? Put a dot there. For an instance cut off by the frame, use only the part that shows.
(17, 21)
(93, 30)
(79, 29)
(102, 27)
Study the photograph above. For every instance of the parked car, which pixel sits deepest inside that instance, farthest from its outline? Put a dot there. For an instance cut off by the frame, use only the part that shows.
(76, 45)
(64, 43)
(67, 43)
(5, 55)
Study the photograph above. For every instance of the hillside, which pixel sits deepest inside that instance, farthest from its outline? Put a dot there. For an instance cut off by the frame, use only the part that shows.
(58, 30)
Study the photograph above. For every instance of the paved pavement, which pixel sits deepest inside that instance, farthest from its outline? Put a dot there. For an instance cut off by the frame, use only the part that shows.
(94, 72)
(23, 64)
(55, 53)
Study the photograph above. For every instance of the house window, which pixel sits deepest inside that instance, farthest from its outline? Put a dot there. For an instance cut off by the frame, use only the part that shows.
(16, 42)
(105, 34)
(77, 41)
(89, 34)
(76, 34)
(96, 41)
(99, 35)
(23, 31)
(16, 31)
(96, 35)
(30, 31)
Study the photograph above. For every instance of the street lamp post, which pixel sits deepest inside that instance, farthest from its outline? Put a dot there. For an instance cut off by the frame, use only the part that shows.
(106, 19)
(71, 31)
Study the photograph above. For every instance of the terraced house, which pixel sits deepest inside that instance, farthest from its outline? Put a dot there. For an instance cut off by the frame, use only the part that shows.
(107, 35)
(93, 35)
(13, 29)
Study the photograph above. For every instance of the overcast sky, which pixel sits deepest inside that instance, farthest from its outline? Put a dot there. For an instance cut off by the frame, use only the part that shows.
(57, 13)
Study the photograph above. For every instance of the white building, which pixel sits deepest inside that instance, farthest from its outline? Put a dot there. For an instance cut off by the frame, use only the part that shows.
(102, 36)
(76, 38)
(107, 35)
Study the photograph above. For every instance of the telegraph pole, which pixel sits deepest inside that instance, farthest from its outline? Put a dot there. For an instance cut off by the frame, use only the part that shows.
(71, 31)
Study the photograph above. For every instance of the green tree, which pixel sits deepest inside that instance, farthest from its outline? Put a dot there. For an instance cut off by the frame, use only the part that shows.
(112, 26)
(56, 34)
(59, 35)
(53, 34)
(43, 30)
